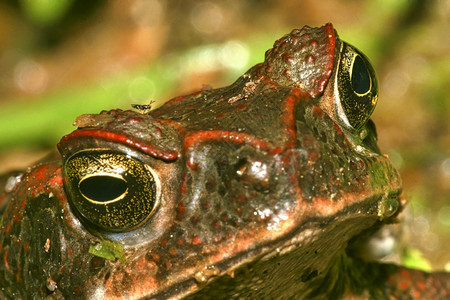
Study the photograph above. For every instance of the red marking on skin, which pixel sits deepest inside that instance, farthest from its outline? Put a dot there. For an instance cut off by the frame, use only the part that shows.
(22, 204)
(167, 155)
(181, 207)
(155, 257)
(405, 273)
(67, 216)
(417, 294)
(421, 285)
(5, 259)
(361, 164)
(181, 210)
(288, 117)
(205, 204)
(191, 164)
(17, 216)
(288, 58)
(287, 73)
(56, 180)
(158, 131)
(337, 129)
(194, 220)
(196, 240)
(183, 185)
(276, 151)
(210, 183)
(317, 110)
(403, 285)
(224, 136)
(134, 120)
(240, 198)
(269, 84)
(3, 198)
(293, 179)
(310, 59)
(171, 123)
(314, 43)
(140, 264)
(217, 224)
(329, 31)
(180, 242)
(281, 45)
(163, 242)
(69, 251)
(173, 251)
(221, 115)
(40, 174)
(322, 84)
(242, 107)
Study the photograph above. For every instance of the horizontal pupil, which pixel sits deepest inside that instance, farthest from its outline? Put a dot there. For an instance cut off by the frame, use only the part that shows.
(103, 188)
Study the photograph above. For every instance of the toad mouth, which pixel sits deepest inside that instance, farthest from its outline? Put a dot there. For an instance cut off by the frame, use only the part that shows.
(304, 243)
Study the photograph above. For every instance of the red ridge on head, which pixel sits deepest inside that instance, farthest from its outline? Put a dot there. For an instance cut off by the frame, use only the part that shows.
(167, 155)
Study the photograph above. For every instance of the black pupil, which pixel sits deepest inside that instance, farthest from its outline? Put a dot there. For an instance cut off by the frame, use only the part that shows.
(360, 76)
(103, 188)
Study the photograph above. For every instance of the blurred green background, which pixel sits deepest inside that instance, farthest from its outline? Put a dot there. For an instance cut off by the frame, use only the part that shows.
(63, 58)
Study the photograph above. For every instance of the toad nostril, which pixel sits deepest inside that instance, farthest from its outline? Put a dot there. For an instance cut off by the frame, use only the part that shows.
(241, 167)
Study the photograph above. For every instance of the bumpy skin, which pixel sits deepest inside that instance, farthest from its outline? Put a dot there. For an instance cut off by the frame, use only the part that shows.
(261, 193)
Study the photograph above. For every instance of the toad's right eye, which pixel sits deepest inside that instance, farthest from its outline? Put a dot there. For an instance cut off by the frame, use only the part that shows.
(356, 92)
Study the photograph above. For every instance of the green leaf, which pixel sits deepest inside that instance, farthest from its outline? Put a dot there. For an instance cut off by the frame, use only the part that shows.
(45, 12)
(412, 258)
(109, 250)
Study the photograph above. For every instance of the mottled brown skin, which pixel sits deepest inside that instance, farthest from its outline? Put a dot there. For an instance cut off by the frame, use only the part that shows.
(262, 191)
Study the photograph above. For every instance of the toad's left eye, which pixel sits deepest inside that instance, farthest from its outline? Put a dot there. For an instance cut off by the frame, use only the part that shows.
(111, 191)
(360, 79)
(356, 88)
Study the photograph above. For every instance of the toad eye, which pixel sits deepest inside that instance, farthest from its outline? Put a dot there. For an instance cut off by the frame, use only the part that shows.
(356, 88)
(111, 191)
